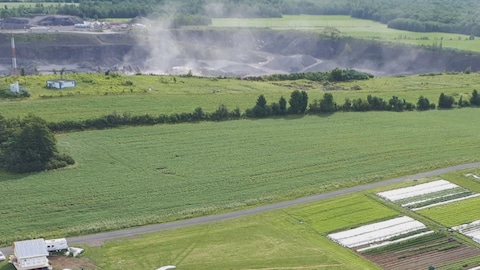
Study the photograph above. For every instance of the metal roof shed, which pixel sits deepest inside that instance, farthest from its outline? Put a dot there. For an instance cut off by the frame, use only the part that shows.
(30, 254)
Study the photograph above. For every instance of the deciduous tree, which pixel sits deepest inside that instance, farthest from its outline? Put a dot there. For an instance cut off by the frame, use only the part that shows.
(31, 147)
(475, 99)
(445, 101)
(298, 102)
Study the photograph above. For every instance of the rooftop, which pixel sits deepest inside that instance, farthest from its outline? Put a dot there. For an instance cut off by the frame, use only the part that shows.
(30, 248)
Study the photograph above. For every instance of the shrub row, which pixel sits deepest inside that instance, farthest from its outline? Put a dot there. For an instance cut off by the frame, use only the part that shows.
(126, 119)
(298, 105)
(335, 75)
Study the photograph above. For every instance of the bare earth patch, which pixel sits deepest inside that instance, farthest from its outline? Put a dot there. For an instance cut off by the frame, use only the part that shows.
(61, 262)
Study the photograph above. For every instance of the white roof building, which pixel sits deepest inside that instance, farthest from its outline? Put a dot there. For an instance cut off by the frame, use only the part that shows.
(30, 254)
(60, 84)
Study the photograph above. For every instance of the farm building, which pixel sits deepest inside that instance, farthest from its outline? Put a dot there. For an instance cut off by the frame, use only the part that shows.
(60, 84)
(30, 254)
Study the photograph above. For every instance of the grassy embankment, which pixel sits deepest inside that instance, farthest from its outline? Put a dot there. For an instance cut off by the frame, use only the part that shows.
(97, 95)
(347, 26)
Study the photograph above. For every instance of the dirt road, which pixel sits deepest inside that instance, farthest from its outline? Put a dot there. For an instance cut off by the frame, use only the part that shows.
(98, 239)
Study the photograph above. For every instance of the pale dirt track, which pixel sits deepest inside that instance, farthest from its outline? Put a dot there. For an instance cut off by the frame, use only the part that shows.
(98, 239)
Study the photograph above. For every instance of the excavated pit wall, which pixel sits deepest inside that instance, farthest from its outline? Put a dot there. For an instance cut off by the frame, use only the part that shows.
(222, 53)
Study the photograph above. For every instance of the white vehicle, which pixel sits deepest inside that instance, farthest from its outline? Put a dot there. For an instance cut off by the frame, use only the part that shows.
(56, 244)
(167, 267)
(2, 257)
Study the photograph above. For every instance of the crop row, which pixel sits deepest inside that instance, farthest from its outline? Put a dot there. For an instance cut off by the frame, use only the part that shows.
(412, 200)
(376, 232)
(427, 195)
(454, 214)
(436, 200)
(414, 244)
(471, 230)
(443, 202)
(417, 190)
(398, 239)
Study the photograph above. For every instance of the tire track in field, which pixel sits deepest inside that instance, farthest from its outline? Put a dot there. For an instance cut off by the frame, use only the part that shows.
(182, 256)
(99, 238)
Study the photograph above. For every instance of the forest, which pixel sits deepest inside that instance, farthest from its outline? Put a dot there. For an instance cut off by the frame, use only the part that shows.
(459, 16)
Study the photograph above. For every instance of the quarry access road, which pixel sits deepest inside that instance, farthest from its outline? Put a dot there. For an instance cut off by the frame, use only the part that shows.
(99, 238)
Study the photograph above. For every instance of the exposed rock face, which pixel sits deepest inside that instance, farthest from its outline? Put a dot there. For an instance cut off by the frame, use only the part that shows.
(39, 20)
(221, 53)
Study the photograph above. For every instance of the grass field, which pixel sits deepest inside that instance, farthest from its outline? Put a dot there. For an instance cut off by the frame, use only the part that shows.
(342, 213)
(283, 239)
(454, 214)
(134, 176)
(347, 26)
(97, 95)
(457, 213)
(279, 240)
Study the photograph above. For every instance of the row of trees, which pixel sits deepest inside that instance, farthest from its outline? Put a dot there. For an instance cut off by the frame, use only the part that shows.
(29, 145)
(412, 15)
(210, 8)
(299, 100)
(297, 104)
(335, 75)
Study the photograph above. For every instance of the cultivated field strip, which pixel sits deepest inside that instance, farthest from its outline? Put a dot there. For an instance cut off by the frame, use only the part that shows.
(417, 190)
(376, 232)
(426, 195)
(454, 214)
(471, 230)
(386, 243)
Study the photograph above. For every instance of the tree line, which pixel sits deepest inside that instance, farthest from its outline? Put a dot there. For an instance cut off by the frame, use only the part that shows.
(459, 16)
(297, 104)
(335, 75)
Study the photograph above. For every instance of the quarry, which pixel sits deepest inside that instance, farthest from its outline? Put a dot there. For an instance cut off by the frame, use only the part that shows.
(217, 52)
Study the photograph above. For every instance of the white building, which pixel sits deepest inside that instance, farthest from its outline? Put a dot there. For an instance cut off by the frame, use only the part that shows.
(60, 84)
(30, 254)
(39, 29)
(14, 88)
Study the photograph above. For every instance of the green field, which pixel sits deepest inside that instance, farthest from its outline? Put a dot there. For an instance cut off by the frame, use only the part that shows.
(456, 213)
(342, 213)
(134, 176)
(285, 239)
(97, 95)
(347, 26)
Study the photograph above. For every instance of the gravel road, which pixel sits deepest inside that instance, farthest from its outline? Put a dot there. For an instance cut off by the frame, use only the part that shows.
(98, 239)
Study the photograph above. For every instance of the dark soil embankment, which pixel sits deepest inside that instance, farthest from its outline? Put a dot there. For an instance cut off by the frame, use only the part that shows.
(221, 53)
